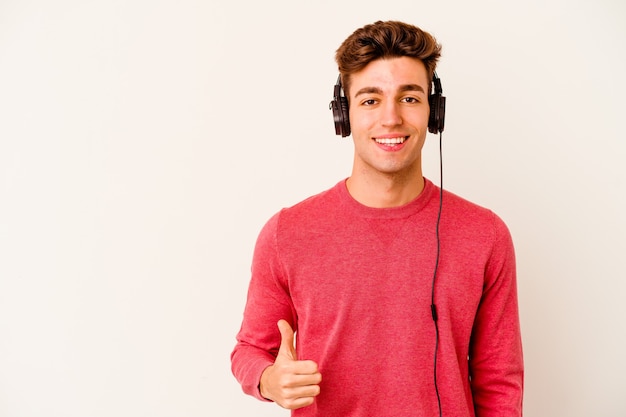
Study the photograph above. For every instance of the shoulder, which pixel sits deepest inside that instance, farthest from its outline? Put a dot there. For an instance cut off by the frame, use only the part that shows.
(311, 209)
(461, 214)
(307, 213)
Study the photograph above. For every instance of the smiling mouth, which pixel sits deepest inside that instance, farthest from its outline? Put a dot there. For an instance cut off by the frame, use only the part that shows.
(391, 141)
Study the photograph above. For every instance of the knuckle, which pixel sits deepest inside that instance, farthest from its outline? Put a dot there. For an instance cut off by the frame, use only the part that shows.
(287, 381)
(306, 402)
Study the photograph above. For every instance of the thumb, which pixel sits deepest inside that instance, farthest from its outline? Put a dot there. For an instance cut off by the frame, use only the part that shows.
(286, 340)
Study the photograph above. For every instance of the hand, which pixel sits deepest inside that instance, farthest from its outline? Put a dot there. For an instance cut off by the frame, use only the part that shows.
(289, 382)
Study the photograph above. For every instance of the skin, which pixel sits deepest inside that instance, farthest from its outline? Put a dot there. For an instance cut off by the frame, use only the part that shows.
(289, 382)
(388, 99)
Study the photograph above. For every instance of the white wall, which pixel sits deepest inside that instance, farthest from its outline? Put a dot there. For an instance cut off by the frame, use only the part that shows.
(144, 143)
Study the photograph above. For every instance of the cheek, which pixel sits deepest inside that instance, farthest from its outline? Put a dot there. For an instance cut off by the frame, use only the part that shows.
(360, 120)
(419, 119)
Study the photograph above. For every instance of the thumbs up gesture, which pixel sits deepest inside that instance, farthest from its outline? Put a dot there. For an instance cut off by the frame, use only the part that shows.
(289, 382)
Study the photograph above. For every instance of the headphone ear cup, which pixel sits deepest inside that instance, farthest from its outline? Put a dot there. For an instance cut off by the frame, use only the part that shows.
(437, 104)
(339, 106)
(341, 114)
(345, 117)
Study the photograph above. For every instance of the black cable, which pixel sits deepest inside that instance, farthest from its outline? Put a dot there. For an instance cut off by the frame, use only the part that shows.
(433, 307)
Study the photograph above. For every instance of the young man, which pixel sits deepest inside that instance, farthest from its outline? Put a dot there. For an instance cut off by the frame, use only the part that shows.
(395, 312)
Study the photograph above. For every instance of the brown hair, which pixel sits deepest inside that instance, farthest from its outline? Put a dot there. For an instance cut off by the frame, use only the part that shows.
(386, 40)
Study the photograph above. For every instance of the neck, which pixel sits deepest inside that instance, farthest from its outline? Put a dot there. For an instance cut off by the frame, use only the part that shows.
(385, 191)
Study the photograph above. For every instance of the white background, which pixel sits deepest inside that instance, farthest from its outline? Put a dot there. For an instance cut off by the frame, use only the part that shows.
(143, 144)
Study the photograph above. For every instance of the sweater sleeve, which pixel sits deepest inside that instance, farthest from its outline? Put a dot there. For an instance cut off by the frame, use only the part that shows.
(496, 363)
(267, 302)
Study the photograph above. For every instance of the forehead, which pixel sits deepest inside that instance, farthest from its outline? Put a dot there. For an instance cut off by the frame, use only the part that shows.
(389, 75)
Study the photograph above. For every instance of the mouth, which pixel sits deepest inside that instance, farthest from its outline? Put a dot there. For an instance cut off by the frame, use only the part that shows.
(391, 141)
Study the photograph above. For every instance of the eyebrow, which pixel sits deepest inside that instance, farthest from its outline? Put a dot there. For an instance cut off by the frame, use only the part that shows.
(376, 90)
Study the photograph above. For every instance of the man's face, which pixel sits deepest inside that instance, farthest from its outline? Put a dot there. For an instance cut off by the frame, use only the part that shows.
(389, 116)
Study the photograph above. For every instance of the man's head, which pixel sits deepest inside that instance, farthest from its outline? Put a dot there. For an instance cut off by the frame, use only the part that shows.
(386, 69)
(381, 40)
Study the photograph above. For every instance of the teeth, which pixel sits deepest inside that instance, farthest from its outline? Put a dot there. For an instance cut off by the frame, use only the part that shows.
(390, 141)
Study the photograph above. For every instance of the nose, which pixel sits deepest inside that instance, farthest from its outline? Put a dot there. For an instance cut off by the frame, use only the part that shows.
(391, 115)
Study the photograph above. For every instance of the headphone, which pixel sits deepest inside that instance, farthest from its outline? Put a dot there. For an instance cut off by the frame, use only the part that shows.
(436, 101)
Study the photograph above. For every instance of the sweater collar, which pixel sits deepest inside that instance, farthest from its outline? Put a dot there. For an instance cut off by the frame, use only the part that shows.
(406, 210)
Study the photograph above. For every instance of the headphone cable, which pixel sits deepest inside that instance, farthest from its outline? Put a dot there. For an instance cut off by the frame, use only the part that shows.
(433, 307)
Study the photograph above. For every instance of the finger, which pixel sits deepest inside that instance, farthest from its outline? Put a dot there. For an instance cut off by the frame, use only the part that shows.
(293, 404)
(300, 381)
(301, 397)
(304, 368)
(286, 340)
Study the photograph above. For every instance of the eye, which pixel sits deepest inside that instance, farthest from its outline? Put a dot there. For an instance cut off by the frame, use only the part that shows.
(410, 100)
(368, 102)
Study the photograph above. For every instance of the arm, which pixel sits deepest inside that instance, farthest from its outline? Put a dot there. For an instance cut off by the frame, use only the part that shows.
(264, 360)
(496, 363)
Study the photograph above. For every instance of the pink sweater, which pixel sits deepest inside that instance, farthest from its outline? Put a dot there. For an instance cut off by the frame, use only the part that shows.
(355, 282)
